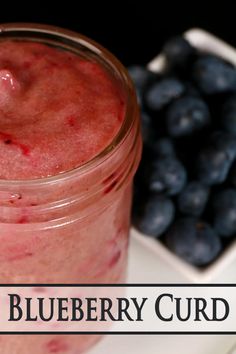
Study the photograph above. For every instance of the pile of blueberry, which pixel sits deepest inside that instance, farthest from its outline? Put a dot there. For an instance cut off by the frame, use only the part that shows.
(185, 187)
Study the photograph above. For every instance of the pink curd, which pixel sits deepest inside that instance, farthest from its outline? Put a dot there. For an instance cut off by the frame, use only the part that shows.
(57, 110)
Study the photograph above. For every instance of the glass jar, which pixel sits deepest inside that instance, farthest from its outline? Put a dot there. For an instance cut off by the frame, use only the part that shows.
(72, 227)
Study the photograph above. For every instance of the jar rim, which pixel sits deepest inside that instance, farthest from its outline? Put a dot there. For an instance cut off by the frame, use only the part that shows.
(111, 60)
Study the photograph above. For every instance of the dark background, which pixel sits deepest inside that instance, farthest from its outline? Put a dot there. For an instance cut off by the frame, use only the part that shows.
(133, 30)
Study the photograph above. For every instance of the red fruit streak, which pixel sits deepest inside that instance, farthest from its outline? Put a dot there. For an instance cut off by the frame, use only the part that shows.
(17, 257)
(7, 137)
(115, 259)
(71, 121)
(109, 188)
(110, 263)
(57, 346)
(39, 290)
(109, 178)
(23, 220)
(121, 113)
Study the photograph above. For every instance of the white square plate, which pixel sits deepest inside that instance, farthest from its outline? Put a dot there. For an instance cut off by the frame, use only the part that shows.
(205, 42)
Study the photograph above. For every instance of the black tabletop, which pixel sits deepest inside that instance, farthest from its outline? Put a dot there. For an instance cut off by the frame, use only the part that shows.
(133, 30)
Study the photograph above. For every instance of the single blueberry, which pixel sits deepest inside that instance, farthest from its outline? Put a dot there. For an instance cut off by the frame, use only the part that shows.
(212, 166)
(187, 115)
(224, 142)
(193, 198)
(228, 118)
(215, 161)
(156, 216)
(140, 75)
(163, 147)
(194, 241)
(168, 175)
(224, 207)
(214, 75)
(178, 51)
(162, 92)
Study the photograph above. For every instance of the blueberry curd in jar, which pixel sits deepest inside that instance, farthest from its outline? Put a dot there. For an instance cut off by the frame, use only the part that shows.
(69, 147)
